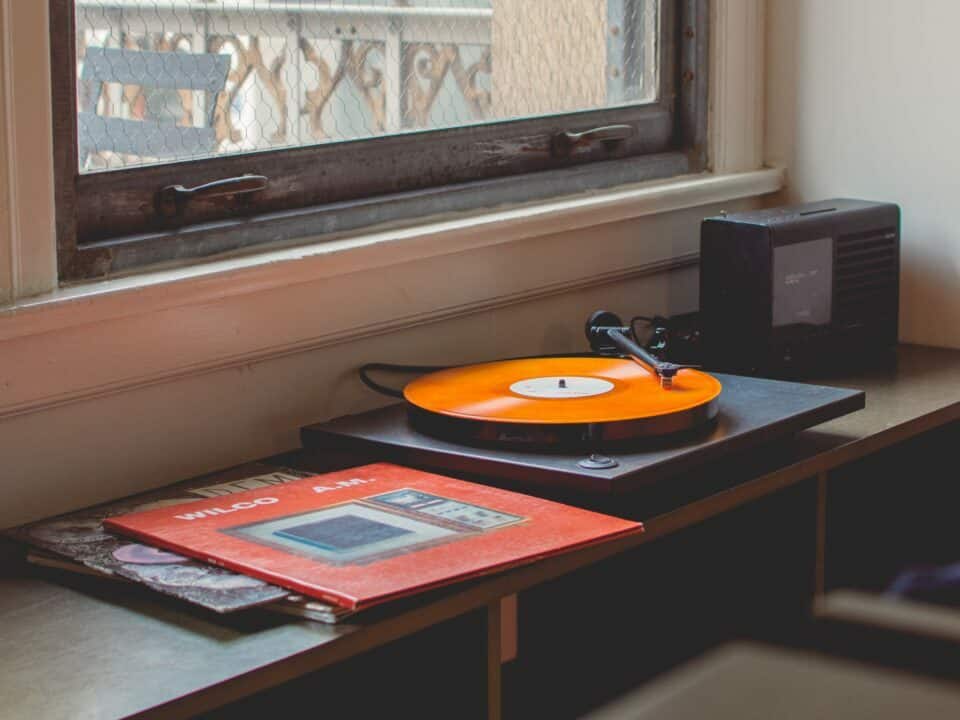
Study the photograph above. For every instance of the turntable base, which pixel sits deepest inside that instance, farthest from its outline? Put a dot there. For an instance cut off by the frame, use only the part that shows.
(752, 412)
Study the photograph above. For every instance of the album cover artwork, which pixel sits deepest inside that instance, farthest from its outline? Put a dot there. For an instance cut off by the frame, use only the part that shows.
(365, 535)
(81, 537)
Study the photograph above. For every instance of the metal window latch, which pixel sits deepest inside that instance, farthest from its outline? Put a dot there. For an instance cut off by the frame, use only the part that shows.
(172, 199)
(564, 142)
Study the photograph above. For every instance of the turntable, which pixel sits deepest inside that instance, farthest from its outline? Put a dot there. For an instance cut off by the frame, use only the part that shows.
(609, 421)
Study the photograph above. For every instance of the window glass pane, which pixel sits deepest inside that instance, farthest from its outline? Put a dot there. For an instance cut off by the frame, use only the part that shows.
(167, 80)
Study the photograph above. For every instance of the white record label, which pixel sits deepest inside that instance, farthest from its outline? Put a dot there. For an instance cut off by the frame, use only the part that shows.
(561, 387)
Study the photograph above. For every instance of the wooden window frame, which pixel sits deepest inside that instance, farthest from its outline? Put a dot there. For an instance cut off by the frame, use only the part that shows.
(106, 222)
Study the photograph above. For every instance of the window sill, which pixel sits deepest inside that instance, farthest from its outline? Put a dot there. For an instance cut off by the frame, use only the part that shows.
(103, 338)
(203, 283)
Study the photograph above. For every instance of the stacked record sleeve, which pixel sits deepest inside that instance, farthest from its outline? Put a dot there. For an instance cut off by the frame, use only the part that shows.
(78, 542)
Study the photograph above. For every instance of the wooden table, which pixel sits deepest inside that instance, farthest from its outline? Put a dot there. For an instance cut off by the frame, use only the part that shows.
(917, 393)
(93, 651)
(83, 650)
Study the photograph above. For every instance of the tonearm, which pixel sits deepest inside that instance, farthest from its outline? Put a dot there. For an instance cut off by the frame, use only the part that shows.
(607, 335)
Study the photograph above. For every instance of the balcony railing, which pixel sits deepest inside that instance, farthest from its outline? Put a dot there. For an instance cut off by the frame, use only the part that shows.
(304, 72)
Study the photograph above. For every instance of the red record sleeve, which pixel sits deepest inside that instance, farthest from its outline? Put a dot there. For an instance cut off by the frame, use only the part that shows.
(368, 534)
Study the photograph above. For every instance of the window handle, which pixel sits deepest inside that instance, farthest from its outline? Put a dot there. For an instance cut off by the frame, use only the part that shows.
(173, 198)
(610, 135)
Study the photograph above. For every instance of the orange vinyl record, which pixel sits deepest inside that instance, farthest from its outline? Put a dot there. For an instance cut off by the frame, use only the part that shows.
(560, 399)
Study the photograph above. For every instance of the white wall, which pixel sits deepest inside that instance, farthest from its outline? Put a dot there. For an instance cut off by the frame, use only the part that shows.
(862, 101)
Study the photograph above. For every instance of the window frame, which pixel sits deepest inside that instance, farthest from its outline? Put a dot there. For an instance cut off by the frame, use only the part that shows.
(334, 188)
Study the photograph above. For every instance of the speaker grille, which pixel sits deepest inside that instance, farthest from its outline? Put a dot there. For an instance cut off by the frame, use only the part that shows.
(867, 268)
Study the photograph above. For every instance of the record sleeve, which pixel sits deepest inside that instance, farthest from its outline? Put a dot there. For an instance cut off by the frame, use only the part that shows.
(81, 537)
(365, 535)
(293, 605)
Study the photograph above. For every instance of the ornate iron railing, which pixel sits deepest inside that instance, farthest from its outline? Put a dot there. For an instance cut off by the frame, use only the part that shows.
(304, 72)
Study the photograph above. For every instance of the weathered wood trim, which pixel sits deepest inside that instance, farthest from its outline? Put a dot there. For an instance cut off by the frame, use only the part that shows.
(7, 225)
(27, 236)
(63, 54)
(736, 91)
(121, 202)
(693, 41)
(332, 221)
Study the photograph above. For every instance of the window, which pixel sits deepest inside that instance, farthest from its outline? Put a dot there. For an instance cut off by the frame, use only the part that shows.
(304, 118)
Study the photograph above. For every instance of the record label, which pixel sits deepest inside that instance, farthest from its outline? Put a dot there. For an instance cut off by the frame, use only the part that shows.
(557, 387)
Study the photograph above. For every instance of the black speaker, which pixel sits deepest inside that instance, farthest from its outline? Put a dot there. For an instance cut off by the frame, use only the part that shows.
(800, 290)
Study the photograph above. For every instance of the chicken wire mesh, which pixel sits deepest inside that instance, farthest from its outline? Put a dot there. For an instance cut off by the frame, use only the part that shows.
(166, 80)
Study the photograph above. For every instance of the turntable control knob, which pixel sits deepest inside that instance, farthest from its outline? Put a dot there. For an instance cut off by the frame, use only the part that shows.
(561, 383)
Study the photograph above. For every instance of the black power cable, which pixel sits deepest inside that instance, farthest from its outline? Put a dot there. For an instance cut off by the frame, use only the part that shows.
(365, 378)
(364, 371)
